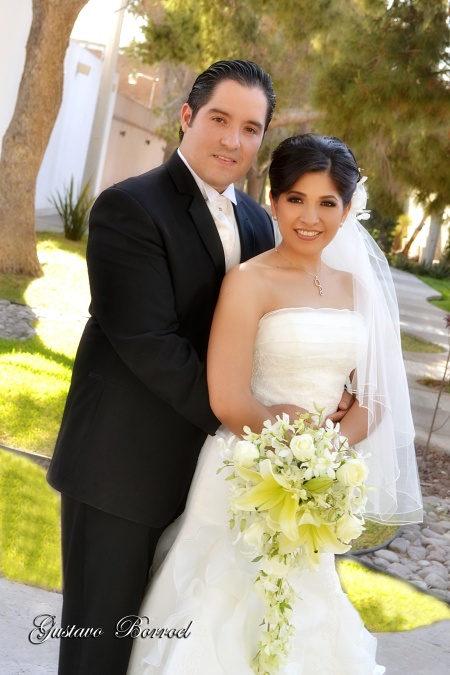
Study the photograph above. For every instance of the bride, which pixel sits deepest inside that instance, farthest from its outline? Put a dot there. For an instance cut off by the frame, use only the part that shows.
(295, 324)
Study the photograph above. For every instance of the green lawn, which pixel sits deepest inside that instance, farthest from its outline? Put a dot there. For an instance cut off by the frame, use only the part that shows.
(29, 524)
(35, 374)
(385, 603)
(414, 344)
(443, 287)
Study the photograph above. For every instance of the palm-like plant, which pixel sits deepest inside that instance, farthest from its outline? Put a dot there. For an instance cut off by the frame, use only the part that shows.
(74, 211)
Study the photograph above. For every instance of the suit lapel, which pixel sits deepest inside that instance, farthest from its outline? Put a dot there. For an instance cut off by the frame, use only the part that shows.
(200, 213)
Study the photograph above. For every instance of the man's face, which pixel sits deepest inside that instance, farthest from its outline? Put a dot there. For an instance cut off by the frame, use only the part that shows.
(222, 140)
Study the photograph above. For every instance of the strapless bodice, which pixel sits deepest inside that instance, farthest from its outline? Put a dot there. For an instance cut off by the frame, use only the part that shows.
(304, 356)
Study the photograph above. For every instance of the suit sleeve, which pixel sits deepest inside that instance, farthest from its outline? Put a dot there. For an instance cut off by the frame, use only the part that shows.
(134, 303)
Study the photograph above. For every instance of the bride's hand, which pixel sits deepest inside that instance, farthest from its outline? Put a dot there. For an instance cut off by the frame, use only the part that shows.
(288, 408)
(344, 406)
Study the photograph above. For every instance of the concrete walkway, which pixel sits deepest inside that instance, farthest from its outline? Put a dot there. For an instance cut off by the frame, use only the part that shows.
(421, 319)
(424, 651)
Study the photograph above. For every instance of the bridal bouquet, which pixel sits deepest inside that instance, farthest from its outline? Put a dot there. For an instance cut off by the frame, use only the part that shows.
(297, 490)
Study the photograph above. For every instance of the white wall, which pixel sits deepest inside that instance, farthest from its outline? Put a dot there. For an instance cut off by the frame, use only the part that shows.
(15, 22)
(66, 152)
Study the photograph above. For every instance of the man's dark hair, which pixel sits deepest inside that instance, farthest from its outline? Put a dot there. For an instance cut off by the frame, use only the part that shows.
(246, 73)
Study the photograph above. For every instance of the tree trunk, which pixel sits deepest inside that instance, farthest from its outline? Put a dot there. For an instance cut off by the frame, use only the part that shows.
(255, 184)
(25, 141)
(433, 237)
(409, 243)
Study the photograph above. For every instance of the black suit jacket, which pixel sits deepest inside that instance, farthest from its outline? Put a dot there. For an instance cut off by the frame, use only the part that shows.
(137, 412)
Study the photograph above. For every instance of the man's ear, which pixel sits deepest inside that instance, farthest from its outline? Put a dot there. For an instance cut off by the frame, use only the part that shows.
(186, 116)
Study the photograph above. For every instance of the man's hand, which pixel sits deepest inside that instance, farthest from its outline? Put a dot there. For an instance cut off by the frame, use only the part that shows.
(344, 406)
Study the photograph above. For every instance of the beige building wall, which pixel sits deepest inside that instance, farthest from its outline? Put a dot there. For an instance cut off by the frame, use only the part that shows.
(132, 147)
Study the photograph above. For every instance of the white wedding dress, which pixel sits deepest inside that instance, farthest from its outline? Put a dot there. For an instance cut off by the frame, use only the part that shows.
(302, 356)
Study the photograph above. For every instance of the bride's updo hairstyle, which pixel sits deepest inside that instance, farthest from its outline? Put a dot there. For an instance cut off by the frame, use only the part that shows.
(306, 153)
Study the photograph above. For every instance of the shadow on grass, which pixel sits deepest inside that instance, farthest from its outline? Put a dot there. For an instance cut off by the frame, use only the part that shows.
(35, 423)
(34, 346)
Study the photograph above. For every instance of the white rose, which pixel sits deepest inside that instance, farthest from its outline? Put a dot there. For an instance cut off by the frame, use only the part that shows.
(302, 447)
(348, 528)
(253, 534)
(276, 566)
(245, 454)
(352, 473)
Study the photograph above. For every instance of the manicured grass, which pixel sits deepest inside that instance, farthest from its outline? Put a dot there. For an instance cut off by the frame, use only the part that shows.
(35, 374)
(443, 287)
(373, 535)
(414, 344)
(435, 384)
(29, 524)
(387, 604)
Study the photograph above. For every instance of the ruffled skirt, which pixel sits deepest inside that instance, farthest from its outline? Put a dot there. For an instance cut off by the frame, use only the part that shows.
(203, 616)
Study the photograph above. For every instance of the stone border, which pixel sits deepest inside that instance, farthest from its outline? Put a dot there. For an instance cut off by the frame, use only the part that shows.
(16, 321)
(41, 460)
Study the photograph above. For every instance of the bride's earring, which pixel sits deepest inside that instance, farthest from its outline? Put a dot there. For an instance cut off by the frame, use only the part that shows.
(275, 217)
(342, 222)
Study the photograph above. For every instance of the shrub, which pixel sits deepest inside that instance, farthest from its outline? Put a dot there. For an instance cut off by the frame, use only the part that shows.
(440, 270)
(74, 211)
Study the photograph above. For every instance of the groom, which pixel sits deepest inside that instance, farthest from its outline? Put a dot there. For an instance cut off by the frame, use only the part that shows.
(137, 412)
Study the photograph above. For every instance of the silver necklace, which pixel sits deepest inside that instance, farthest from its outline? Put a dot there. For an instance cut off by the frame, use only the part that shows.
(314, 276)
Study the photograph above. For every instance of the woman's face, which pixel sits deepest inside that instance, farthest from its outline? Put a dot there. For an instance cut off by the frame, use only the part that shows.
(310, 213)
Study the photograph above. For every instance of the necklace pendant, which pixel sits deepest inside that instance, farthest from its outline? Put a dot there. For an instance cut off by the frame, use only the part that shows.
(318, 284)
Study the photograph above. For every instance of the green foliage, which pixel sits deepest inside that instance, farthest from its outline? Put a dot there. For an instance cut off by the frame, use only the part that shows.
(382, 229)
(383, 83)
(74, 211)
(195, 33)
(440, 270)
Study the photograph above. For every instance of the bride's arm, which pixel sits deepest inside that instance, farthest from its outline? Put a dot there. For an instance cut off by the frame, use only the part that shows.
(230, 352)
(355, 424)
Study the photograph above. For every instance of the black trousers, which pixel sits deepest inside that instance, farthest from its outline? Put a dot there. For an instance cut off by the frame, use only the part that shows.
(106, 560)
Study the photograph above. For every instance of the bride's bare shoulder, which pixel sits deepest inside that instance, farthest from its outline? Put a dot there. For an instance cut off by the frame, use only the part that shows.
(252, 271)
